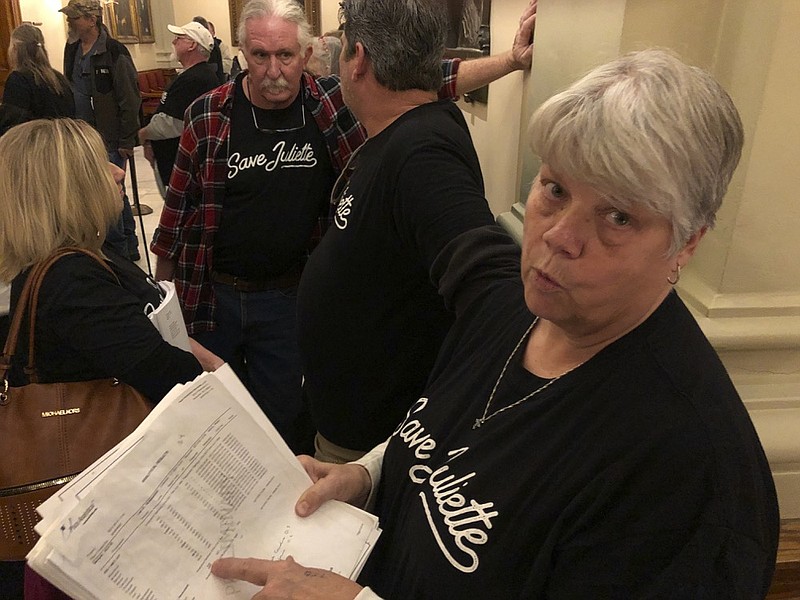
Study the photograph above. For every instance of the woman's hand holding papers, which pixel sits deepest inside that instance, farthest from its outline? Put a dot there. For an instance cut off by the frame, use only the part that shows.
(285, 579)
(349, 483)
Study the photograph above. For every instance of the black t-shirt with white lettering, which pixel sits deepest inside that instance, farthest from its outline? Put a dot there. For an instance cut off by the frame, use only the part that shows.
(278, 186)
(370, 321)
(637, 475)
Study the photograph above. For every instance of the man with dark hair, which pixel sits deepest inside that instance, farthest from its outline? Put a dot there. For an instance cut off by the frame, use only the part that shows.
(370, 318)
(224, 51)
(215, 55)
(106, 90)
(249, 197)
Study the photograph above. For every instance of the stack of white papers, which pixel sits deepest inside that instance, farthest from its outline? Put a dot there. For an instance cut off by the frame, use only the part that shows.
(205, 475)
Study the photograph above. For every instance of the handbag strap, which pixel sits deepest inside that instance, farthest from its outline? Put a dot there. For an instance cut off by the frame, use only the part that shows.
(13, 333)
(29, 300)
(16, 321)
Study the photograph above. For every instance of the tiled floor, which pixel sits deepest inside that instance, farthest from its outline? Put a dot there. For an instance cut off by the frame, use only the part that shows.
(148, 196)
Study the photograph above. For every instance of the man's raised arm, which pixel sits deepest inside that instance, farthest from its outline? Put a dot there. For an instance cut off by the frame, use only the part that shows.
(473, 74)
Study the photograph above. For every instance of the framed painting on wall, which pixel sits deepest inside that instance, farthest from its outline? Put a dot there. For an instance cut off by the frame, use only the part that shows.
(468, 36)
(145, 20)
(469, 24)
(122, 23)
(235, 9)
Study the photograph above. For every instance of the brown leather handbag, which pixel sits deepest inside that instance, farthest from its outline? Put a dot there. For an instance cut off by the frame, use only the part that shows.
(50, 432)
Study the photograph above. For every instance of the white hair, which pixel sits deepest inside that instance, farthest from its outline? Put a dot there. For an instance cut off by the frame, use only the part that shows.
(646, 129)
(288, 10)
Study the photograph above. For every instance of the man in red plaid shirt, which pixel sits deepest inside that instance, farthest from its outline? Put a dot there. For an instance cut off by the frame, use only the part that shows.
(249, 198)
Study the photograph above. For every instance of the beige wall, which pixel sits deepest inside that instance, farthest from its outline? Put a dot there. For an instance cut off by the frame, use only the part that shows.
(329, 14)
(767, 87)
(145, 56)
(495, 126)
(52, 24)
(215, 11)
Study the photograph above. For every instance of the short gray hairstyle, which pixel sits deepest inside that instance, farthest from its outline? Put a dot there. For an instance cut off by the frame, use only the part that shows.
(404, 39)
(646, 129)
(288, 10)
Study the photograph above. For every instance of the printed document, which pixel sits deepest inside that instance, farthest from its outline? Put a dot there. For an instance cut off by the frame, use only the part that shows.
(204, 476)
(168, 318)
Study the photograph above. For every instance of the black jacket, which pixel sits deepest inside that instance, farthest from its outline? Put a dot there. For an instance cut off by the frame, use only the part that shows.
(115, 90)
(215, 60)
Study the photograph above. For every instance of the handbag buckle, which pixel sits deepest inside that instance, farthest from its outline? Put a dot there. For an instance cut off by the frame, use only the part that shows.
(4, 393)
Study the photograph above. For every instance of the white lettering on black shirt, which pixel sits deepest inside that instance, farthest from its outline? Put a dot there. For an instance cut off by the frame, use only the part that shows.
(446, 507)
(343, 211)
(285, 159)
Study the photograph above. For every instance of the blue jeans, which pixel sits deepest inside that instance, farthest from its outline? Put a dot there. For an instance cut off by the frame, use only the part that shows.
(122, 235)
(256, 335)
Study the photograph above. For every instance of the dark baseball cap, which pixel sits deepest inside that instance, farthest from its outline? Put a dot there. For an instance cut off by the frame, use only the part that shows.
(82, 8)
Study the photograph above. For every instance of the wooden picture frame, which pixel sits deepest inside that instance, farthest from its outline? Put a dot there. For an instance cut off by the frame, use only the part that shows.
(10, 17)
(144, 19)
(122, 23)
(469, 24)
(235, 10)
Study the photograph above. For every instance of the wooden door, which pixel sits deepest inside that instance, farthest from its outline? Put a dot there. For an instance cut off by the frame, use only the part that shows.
(10, 17)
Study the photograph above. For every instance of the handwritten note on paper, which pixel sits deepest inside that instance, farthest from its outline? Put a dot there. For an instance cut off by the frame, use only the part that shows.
(205, 479)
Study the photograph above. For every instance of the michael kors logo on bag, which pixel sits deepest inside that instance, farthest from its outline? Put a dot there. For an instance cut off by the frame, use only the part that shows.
(60, 413)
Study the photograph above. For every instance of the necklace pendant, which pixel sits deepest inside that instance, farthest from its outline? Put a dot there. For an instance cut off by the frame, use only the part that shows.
(478, 423)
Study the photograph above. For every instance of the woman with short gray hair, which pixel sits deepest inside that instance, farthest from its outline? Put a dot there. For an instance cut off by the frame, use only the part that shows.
(680, 169)
(579, 436)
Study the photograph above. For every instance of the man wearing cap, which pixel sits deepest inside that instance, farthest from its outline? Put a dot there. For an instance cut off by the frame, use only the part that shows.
(191, 46)
(249, 197)
(106, 90)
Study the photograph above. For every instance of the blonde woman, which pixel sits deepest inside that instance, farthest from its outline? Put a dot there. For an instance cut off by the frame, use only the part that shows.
(34, 89)
(58, 189)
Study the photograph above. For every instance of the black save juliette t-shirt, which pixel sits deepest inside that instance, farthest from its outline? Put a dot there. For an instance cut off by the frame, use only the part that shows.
(370, 321)
(278, 182)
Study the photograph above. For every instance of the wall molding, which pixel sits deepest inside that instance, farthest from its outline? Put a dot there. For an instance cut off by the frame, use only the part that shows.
(512, 220)
(714, 304)
(775, 411)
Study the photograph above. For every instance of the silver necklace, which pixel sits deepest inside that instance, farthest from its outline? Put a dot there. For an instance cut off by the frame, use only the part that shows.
(486, 416)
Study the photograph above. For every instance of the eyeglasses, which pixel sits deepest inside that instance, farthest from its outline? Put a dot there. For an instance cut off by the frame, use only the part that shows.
(265, 130)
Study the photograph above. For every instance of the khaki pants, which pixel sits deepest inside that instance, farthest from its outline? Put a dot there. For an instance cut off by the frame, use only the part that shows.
(327, 451)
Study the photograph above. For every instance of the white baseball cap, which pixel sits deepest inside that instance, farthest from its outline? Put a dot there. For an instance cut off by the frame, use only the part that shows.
(196, 32)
